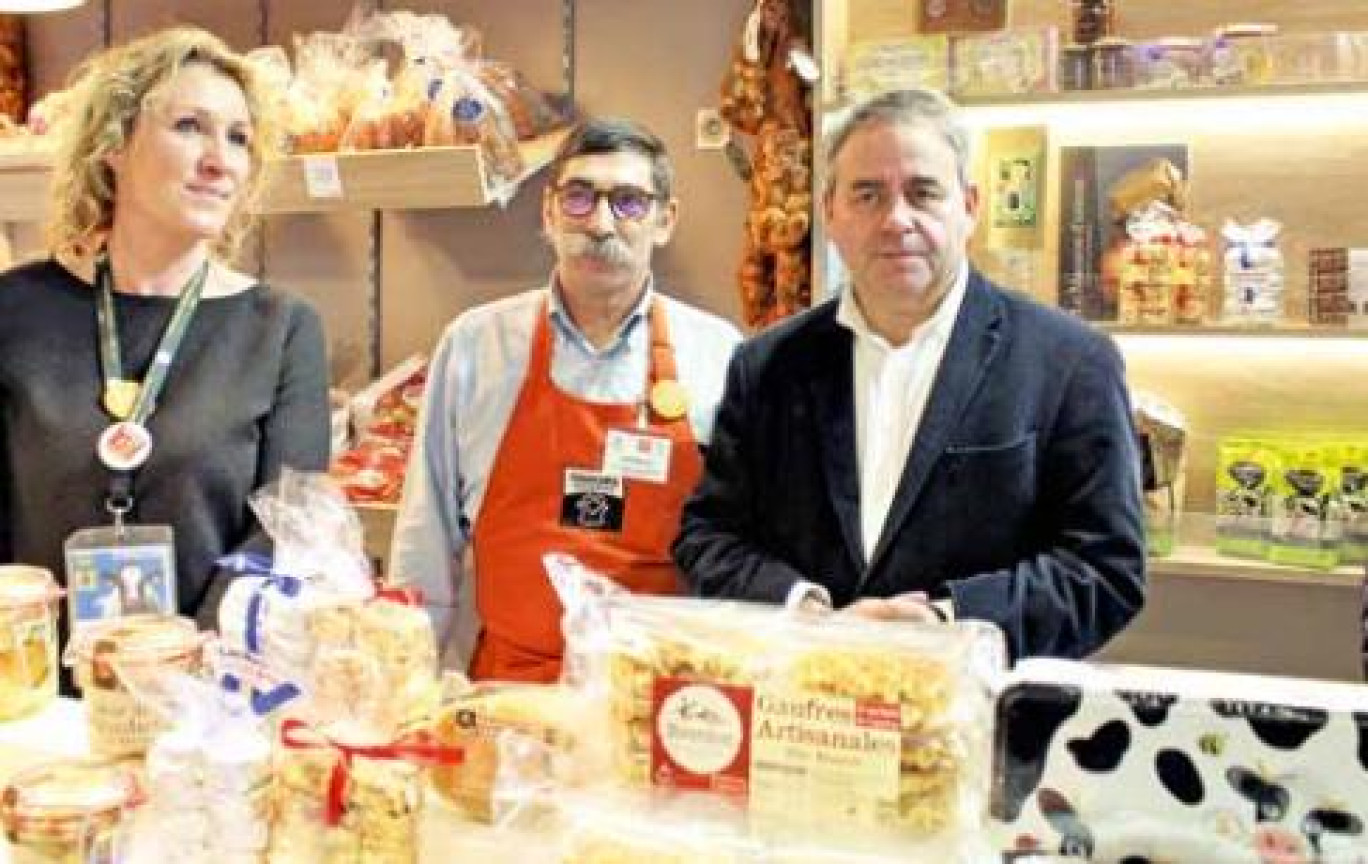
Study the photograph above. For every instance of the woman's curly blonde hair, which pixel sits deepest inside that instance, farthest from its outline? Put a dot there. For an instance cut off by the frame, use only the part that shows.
(108, 94)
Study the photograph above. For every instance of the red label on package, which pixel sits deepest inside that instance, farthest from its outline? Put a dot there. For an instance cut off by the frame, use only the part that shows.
(701, 736)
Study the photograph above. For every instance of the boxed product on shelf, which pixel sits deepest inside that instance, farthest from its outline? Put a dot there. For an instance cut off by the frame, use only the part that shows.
(801, 728)
(1240, 54)
(1009, 62)
(1306, 58)
(876, 66)
(1244, 495)
(1306, 528)
(1254, 279)
(1337, 289)
(1114, 764)
(1353, 494)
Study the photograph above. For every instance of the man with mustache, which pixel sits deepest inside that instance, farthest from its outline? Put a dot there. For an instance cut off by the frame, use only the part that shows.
(565, 419)
(927, 445)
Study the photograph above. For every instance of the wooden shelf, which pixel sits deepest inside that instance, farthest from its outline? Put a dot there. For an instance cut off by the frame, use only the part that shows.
(1093, 97)
(1288, 330)
(1203, 562)
(419, 179)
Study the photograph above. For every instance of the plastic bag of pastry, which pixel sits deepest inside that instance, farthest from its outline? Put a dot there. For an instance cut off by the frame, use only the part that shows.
(807, 728)
(369, 126)
(530, 110)
(329, 73)
(208, 775)
(347, 790)
(1253, 273)
(317, 596)
(464, 111)
(1163, 455)
(519, 740)
(619, 829)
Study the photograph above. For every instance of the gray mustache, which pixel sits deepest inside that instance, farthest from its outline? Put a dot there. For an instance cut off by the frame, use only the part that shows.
(609, 249)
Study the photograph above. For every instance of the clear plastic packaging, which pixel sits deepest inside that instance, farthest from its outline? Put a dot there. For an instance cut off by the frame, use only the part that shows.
(208, 776)
(1174, 63)
(110, 655)
(1241, 54)
(29, 599)
(1253, 273)
(479, 719)
(804, 728)
(303, 614)
(67, 812)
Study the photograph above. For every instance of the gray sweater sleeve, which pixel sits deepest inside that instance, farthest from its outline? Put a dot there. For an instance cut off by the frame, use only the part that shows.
(295, 434)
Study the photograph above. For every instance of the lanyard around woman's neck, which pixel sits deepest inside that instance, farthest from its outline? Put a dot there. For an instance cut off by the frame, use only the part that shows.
(125, 445)
(126, 399)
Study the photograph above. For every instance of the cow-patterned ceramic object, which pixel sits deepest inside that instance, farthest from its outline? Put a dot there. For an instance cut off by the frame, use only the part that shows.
(1134, 765)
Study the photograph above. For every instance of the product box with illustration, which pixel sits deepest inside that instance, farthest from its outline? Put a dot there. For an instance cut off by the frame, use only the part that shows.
(1115, 764)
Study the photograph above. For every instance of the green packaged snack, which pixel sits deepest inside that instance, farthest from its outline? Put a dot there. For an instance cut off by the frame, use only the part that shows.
(1353, 492)
(1243, 492)
(1306, 528)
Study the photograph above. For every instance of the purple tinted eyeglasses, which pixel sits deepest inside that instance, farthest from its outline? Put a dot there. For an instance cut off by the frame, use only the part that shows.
(578, 199)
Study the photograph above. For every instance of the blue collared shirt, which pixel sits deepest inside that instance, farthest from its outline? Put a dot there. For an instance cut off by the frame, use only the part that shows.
(474, 379)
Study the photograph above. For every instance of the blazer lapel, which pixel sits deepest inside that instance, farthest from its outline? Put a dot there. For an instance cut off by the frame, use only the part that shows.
(830, 384)
(973, 344)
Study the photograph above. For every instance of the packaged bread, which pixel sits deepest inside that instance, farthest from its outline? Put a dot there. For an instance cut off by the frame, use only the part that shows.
(802, 726)
(480, 719)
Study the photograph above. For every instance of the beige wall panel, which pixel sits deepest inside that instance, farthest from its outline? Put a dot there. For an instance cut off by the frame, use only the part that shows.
(660, 61)
(325, 258)
(287, 17)
(238, 22)
(526, 33)
(57, 41)
(440, 263)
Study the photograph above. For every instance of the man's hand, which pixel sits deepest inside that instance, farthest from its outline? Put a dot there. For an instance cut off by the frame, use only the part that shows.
(912, 606)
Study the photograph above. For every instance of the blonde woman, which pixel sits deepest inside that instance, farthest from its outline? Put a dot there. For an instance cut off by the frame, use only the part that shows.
(143, 381)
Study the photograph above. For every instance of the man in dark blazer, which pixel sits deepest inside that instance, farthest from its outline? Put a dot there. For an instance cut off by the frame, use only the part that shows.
(927, 445)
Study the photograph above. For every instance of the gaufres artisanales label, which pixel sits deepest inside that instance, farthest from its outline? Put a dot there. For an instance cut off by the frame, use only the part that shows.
(790, 756)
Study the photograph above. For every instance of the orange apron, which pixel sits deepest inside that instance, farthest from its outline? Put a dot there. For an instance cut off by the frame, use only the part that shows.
(521, 515)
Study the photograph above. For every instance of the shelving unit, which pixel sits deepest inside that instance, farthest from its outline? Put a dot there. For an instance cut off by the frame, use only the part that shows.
(419, 179)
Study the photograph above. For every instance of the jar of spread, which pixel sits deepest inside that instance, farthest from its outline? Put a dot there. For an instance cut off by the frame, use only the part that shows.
(1075, 67)
(67, 812)
(109, 655)
(1093, 20)
(28, 640)
(1113, 64)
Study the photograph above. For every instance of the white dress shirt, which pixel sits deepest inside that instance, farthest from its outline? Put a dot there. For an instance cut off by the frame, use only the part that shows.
(476, 374)
(891, 385)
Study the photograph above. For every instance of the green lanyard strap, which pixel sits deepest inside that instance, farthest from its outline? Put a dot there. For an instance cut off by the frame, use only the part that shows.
(111, 355)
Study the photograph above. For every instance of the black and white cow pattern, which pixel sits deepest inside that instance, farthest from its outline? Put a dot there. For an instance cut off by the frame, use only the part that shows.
(1135, 777)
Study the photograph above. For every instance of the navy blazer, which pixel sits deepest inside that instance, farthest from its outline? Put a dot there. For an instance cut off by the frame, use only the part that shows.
(1020, 499)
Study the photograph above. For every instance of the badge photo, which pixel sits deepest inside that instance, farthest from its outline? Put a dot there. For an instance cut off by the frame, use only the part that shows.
(116, 572)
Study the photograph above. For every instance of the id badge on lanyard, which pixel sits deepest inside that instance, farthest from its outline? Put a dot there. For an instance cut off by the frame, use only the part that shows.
(126, 569)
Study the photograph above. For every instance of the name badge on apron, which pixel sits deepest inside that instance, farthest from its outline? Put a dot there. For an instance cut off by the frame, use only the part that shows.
(116, 571)
(637, 456)
(593, 500)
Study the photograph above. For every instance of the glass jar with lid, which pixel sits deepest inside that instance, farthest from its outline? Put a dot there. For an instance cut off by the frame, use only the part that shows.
(1113, 64)
(28, 640)
(67, 812)
(1242, 54)
(113, 654)
(1093, 20)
